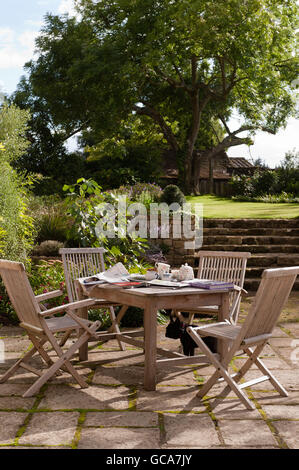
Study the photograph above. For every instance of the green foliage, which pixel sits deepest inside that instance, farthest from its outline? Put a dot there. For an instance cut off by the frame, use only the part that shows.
(16, 224)
(145, 193)
(13, 128)
(171, 194)
(50, 220)
(86, 205)
(283, 182)
(179, 64)
(131, 154)
(264, 182)
(44, 276)
(288, 174)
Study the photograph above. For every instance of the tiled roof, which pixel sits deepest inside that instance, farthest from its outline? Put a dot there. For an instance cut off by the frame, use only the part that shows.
(239, 163)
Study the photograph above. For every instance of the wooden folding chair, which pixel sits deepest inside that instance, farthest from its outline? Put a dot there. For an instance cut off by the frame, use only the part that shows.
(42, 325)
(228, 266)
(250, 338)
(85, 262)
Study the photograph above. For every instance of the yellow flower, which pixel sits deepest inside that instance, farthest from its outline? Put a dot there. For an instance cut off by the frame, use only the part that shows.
(2, 147)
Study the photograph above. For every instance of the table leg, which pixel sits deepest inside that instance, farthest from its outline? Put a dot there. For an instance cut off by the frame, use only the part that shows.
(223, 314)
(150, 341)
(82, 313)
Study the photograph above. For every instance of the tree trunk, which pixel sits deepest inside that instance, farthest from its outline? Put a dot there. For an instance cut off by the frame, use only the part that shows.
(211, 175)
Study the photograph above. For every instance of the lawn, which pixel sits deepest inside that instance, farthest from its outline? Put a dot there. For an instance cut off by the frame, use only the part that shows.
(218, 207)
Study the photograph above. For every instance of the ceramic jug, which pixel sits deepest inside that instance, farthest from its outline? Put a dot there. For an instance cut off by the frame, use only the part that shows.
(162, 268)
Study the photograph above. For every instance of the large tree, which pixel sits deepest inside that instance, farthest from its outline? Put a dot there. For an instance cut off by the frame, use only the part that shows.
(184, 64)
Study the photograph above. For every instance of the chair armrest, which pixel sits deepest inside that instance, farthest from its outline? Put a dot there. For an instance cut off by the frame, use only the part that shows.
(66, 307)
(240, 289)
(48, 295)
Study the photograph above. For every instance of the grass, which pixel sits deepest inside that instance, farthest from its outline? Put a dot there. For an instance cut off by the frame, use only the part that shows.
(225, 208)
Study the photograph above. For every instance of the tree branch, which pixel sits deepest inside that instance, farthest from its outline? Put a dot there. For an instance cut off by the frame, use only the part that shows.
(171, 81)
(148, 110)
(232, 140)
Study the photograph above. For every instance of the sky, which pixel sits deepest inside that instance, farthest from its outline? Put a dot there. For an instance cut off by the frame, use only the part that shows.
(20, 23)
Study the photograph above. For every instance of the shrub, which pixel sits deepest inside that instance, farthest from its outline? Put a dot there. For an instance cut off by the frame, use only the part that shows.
(47, 248)
(16, 224)
(49, 216)
(44, 276)
(86, 207)
(172, 194)
(241, 185)
(264, 182)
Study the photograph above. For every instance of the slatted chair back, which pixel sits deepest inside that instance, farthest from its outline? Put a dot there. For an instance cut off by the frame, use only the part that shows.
(228, 266)
(20, 293)
(272, 294)
(80, 262)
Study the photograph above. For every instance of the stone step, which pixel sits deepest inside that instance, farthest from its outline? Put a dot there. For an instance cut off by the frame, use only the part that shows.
(251, 284)
(253, 240)
(253, 248)
(267, 231)
(251, 223)
(273, 260)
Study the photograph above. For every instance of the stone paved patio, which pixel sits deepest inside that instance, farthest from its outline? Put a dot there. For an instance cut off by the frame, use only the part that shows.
(115, 412)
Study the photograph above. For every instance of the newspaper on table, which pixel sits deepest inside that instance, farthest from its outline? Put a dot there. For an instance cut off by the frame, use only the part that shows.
(116, 273)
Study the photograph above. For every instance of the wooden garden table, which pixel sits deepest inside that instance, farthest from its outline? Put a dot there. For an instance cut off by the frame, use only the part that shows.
(152, 299)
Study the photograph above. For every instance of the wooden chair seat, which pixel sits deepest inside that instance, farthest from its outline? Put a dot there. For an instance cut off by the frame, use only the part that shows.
(222, 330)
(56, 324)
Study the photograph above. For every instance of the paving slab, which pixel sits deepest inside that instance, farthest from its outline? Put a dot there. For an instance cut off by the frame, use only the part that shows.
(169, 399)
(282, 411)
(273, 398)
(57, 428)
(64, 397)
(182, 430)
(11, 422)
(249, 433)
(119, 439)
(121, 418)
(289, 431)
(233, 409)
(16, 403)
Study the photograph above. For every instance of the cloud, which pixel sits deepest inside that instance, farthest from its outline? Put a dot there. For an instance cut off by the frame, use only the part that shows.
(6, 36)
(67, 6)
(16, 49)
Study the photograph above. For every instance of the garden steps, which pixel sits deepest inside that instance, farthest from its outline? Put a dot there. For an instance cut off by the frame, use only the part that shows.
(252, 240)
(262, 231)
(251, 223)
(272, 243)
(253, 248)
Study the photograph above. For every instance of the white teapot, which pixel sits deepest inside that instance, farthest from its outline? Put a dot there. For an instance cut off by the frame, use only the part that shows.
(186, 272)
